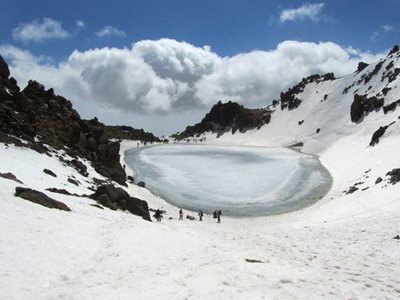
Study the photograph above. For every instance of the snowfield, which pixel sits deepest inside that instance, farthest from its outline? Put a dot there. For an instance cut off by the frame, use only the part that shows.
(342, 247)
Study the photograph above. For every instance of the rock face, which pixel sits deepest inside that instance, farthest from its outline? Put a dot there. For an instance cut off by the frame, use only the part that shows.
(362, 105)
(377, 134)
(394, 176)
(228, 116)
(49, 172)
(289, 98)
(39, 198)
(117, 198)
(10, 176)
(40, 117)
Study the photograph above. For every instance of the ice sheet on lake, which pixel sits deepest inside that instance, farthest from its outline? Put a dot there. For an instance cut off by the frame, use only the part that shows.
(241, 181)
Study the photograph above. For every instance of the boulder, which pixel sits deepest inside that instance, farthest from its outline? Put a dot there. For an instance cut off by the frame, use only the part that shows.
(141, 184)
(361, 66)
(49, 172)
(394, 176)
(105, 200)
(138, 207)
(73, 181)
(378, 134)
(10, 176)
(115, 198)
(362, 104)
(40, 198)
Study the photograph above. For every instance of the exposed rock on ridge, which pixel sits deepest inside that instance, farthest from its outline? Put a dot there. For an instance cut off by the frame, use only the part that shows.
(228, 116)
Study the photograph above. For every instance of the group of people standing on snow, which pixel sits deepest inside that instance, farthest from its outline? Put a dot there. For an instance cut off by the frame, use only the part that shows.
(216, 215)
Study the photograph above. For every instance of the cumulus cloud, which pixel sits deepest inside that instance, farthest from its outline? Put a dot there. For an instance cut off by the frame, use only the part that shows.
(310, 11)
(110, 31)
(167, 76)
(39, 30)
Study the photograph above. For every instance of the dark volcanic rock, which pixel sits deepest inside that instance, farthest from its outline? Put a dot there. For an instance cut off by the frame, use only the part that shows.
(58, 191)
(39, 198)
(362, 104)
(64, 192)
(394, 176)
(391, 107)
(4, 71)
(73, 181)
(289, 98)
(351, 190)
(361, 66)
(394, 50)
(115, 198)
(10, 176)
(141, 184)
(225, 117)
(378, 180)
(49, 172)
(377, 134)
(138, 207)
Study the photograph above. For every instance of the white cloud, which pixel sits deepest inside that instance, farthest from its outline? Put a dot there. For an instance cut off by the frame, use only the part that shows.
(80, 24)
(306, 11)
(167, 76)
(387, 27)
(39, 30)
(110, 31)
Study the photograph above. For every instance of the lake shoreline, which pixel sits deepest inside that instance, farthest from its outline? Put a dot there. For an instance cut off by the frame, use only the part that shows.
(243, 210)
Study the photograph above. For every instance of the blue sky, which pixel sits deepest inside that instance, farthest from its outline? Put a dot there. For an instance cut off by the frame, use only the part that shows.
(228, 26)
(166, 41)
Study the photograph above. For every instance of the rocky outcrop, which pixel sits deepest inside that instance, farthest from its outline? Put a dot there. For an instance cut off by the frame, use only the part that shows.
(10, 176)
(49, 172)
(361, 66)
(394, 176)
(117, 198)
(43, 118)
(362, 104)
(377, 134)
(40, 198)
(394, 50)
(224, 117)
(391, 107)
(289, 98)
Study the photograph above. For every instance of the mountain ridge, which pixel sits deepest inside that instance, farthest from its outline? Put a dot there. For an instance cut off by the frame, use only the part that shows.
(40, 117)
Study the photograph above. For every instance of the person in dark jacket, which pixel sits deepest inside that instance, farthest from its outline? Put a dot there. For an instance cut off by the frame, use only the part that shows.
(219, 213)
(201, 215)
(158, 215)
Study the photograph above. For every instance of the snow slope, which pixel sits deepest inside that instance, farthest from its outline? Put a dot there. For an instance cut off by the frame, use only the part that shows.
(339, 248)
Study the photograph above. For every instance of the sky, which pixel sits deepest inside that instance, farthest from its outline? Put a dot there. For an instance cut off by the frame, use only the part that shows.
(161, 65)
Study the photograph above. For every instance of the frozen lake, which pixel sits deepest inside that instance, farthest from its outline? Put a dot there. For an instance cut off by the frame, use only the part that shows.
(241, 181)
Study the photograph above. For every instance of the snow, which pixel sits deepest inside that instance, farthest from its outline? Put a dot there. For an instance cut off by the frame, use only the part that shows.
(341, 247)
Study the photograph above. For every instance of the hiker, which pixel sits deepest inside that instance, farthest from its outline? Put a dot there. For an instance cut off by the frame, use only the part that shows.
(158, 215)
(201, 215)
(219, 213)
(180, 214)
(215, 214)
